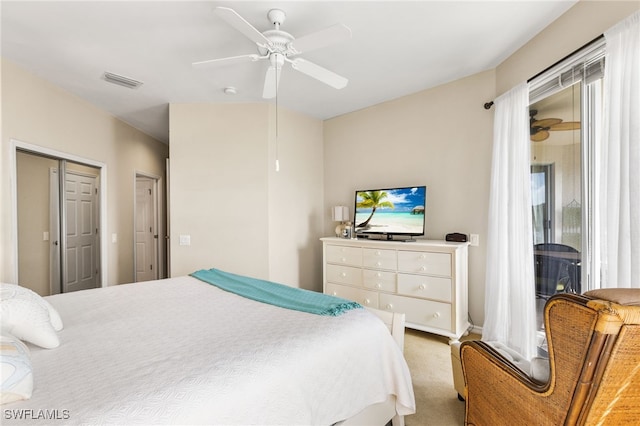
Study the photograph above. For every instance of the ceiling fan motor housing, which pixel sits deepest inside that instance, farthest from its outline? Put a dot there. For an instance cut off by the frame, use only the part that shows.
(280, 40)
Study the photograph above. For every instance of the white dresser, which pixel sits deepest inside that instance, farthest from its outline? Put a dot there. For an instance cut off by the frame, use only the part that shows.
(424, 279)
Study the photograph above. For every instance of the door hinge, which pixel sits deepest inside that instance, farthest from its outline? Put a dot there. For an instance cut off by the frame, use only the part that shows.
(151, 267)
(150, 230)
(149, 191)
(96, 189)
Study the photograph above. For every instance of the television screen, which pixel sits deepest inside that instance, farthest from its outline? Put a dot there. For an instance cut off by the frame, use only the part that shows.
(393, 211)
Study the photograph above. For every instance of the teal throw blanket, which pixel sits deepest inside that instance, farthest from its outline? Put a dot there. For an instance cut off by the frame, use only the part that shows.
(276, 294)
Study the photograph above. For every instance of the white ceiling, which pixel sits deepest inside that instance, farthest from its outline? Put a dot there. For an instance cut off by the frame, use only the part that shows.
(397, 48)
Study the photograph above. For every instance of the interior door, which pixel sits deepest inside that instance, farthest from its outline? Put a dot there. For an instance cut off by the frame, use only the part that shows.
(146, 232)
(81, 246)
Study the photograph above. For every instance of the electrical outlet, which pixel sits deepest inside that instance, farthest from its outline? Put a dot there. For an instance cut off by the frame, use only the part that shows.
(474, 239)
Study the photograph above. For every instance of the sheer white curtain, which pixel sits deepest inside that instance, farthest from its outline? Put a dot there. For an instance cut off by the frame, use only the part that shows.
(510, 291)
(620, 160)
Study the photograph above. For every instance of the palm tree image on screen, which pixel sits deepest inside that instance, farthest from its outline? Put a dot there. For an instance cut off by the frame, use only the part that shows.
(372, 200)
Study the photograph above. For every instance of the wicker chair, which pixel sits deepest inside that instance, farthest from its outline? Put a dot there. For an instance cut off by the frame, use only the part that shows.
(594, 361)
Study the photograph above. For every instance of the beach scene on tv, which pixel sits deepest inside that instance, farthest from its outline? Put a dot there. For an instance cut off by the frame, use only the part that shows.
(391, 211)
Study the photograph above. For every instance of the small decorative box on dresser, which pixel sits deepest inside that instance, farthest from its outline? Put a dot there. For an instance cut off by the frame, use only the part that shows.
(426, 280)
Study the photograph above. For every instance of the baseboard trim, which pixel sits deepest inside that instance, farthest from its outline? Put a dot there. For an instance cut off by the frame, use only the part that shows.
(476, 330)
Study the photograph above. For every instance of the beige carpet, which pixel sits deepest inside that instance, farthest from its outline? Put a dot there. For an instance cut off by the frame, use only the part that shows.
(429, 360)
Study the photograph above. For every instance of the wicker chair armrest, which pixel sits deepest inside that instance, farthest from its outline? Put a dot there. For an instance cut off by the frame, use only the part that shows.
(502, 364)
(496, 390)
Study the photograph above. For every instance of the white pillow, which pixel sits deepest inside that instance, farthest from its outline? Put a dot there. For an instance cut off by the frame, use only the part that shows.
(29, 317)
(15, 370)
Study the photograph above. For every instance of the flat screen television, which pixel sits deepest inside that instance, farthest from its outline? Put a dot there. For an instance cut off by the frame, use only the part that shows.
(389, 212)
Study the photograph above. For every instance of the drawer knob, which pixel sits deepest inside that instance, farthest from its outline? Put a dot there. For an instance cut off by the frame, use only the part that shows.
(424, 268)
(378, 285)
(436, 315)
(378, 263)
(335, 293)
(366, 301)
(344, 259)
(378, 275)
(423, 256)
(422, 286)
(344, 274)
(378, 253)
(389, 306)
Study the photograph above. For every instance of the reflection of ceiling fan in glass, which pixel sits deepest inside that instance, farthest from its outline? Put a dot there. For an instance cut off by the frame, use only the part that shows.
(539, 129)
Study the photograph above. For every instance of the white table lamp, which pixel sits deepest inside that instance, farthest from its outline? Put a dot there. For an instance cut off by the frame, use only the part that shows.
(340, 214)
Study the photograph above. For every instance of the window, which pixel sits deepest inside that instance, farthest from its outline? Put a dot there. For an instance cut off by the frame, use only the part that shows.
(564, 115)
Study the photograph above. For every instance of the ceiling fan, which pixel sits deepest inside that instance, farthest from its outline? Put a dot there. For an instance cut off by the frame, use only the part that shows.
(539, 129)
(278, 47)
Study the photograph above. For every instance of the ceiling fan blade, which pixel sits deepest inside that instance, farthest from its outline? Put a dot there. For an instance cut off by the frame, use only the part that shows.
(567, 125)
(540, 136)
(239, 23)
(331, 35)
(316, 71)
(226, 61)
(546, 122)
(271, 82)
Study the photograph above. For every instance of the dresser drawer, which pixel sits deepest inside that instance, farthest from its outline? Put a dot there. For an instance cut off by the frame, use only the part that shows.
(419, 311)
(364, 297)
(425, 286)
(417, 262)
(344, 275)
(379, 259)
(344, 255)
(379, 280)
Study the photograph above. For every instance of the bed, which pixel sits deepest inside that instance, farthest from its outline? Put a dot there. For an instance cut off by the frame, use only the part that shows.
(182, 351)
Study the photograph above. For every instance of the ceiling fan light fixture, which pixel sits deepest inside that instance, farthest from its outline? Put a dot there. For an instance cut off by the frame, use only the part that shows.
(230, 90)
(121, 80)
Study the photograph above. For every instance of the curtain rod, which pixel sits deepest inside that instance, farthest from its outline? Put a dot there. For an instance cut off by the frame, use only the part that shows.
(488, 105)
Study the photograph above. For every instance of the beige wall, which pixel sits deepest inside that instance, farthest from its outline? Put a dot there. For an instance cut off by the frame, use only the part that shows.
(296, 201)
(440, 138)
(39, 113)
(240, 214)
(579, 25)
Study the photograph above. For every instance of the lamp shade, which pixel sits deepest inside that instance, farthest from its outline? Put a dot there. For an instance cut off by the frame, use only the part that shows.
(340, 213)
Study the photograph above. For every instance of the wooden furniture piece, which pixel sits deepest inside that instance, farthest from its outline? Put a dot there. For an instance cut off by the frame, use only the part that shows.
(594, 360)
(425, 280)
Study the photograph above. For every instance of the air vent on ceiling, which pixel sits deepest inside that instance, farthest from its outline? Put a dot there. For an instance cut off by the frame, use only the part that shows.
(121, 80)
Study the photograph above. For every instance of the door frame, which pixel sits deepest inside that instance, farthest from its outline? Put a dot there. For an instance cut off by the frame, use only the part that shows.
(102, 198)
(158, 218)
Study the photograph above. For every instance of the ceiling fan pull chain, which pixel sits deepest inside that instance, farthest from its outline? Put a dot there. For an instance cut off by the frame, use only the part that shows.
(276, 83)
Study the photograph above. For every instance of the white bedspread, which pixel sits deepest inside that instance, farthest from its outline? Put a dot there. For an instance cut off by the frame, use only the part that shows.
(181, 351)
